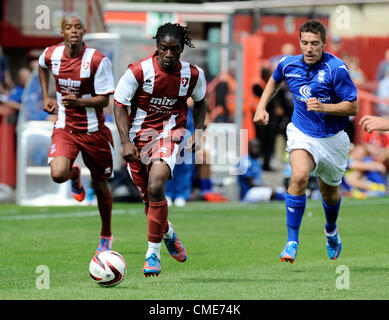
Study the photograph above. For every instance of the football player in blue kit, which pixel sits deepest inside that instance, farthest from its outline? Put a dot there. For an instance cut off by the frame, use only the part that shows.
(324, 97)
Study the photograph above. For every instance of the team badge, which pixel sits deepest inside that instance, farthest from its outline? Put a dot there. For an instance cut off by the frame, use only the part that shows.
(320, 76)
(85, 65)
(184, 81)
(52, 149)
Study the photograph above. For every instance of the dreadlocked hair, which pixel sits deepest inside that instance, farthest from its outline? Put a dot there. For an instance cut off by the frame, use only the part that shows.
(175, 30)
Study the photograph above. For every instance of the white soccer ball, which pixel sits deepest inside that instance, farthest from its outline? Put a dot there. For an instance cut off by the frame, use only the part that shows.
(107, 268)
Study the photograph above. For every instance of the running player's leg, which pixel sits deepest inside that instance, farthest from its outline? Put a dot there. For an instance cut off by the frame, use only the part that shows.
(96, 149)
(157, 223)
(63, 151)
(331, 200)
(302, 164)
(104, 203)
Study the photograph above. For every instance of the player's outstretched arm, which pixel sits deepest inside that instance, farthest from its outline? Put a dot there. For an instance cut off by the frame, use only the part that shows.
(49, 104)
(261, 116)
(373, 123)
(199, 114)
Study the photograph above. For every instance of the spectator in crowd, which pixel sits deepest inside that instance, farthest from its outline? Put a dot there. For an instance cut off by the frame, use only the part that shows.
(224, 108)
(287, 49)
(364, 176)
(336, 46)
(6, 83)
(383, 93)
(383, 66)
(376, 144)
(202, 170)
(16, 94)
(251, 186)
(357, 75)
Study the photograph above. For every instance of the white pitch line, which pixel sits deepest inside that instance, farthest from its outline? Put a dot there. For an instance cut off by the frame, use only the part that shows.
(66, 215)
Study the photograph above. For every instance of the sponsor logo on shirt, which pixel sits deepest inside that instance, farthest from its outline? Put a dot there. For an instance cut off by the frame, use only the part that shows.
(69, 84)
(147, 84)
(162, 103)
(305, 92)
(292, 75)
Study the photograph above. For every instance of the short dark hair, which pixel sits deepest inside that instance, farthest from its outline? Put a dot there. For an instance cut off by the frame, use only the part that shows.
(175, 30)
(315, 27)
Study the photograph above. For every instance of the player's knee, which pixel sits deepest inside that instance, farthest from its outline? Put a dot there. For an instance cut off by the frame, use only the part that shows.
(300, 178)
(156, 190)
(59, 175)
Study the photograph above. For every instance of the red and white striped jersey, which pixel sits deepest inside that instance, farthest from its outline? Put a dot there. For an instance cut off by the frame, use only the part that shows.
(158, 99)
(86, 75)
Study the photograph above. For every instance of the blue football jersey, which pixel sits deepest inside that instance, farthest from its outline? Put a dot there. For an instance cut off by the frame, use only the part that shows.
(328, 80)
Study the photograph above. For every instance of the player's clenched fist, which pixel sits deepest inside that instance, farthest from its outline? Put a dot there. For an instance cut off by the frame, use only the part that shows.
(130, 153)
(50, 105)
(261, 117)
(314, 105)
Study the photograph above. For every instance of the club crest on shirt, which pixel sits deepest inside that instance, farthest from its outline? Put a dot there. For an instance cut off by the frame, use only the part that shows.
(320, 76)
(85, 65)
(52, 149)
(184, 81)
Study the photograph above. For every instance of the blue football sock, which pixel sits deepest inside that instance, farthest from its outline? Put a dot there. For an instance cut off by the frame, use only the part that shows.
(295, 207)
(205, 185)
(331, 213)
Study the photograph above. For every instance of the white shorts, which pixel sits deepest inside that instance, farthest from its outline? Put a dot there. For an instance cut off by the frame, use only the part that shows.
(330, 153)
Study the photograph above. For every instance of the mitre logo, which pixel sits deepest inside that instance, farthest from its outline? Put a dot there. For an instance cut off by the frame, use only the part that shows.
(69, 83)
(162, 103)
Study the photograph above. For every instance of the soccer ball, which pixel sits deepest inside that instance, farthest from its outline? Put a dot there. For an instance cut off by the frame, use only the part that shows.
(107, 268)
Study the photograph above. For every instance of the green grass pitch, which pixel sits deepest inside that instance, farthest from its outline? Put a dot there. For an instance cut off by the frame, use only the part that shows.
(233, 253)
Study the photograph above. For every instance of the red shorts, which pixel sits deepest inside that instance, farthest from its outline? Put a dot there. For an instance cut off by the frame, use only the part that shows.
(96, 149)
(139, 170)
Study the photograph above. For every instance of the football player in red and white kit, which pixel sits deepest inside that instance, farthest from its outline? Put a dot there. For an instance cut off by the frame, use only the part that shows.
(150, 106)
(84, 81)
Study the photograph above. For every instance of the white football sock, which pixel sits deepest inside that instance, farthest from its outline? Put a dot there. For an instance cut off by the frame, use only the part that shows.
(169, 233)
(154, 248)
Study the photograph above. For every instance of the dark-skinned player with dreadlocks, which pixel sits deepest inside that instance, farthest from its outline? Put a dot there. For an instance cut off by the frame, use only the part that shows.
(150, 107)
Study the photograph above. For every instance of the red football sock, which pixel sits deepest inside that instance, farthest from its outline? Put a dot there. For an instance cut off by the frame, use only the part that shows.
(157, 224)
(105, 208)
(74, 173)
